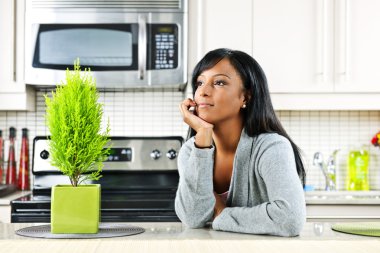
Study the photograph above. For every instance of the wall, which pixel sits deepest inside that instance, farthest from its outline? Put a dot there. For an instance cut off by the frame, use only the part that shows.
(326, 131)
(156, 113)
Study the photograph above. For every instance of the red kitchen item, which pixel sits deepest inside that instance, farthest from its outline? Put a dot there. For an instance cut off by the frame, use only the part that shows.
(23, 174)
(11, 168)
(1, 156)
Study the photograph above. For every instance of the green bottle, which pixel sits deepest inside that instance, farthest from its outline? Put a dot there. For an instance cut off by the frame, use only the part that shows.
(357, 177)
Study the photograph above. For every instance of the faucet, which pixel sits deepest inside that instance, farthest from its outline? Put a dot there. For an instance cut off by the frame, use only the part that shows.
(328, 169)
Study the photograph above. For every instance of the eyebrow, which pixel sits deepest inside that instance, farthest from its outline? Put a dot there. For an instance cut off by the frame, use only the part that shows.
(219, 75)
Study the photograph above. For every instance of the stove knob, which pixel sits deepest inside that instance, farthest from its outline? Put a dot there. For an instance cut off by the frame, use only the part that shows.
(171, 154)
(44, 154)
(155, 154)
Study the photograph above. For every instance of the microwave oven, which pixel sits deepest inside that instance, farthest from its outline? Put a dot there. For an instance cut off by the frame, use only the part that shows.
(125, 44)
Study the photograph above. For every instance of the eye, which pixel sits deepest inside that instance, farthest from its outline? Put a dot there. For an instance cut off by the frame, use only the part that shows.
(219, 83)
(198, 83)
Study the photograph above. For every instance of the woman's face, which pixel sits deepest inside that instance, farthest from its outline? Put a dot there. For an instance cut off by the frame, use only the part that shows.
(219, 94)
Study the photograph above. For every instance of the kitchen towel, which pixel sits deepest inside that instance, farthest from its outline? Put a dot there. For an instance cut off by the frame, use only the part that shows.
(105, 231)
(358, 228)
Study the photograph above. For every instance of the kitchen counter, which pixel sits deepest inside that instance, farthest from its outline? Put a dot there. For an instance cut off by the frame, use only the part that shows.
(6, 200)
(5, 205)
(342, 205)
(343, 197)
(175, 237)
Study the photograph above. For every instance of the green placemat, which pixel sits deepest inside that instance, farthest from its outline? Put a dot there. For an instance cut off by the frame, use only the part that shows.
(358, 228)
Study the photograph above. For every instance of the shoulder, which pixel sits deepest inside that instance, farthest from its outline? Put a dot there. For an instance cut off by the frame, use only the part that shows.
(269, 147)
(272, 141)
(267, 141)
(272, 153)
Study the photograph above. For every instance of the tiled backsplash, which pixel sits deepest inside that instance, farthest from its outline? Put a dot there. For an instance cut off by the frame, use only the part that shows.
(156, 113)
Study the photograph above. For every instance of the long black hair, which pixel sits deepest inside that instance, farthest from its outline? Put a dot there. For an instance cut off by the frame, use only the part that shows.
(259, 116)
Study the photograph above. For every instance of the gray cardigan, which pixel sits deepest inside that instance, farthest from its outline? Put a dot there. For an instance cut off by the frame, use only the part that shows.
(265, 194)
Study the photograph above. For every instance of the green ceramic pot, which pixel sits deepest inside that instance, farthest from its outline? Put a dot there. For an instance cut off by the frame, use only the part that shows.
(75, 210)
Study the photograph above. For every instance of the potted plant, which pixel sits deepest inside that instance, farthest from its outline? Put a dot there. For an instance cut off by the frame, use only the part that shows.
(77, 149)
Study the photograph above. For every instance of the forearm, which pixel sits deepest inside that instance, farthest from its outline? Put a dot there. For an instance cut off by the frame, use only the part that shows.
(195, 201)
(275, 218)
(203, 138)
(194, 208)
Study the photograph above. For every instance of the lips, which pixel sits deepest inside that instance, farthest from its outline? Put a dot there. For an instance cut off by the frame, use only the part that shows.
(204, 105)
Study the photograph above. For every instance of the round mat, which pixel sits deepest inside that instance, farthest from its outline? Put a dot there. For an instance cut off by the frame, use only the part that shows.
(358, 228)
(105, 230)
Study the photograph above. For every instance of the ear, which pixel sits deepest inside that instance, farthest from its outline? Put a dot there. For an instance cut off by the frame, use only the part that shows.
(247, 97)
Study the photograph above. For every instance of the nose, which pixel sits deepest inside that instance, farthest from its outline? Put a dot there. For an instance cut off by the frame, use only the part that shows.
(204, 90)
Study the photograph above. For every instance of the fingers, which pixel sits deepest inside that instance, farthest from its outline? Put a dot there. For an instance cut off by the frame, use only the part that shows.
(186, 106)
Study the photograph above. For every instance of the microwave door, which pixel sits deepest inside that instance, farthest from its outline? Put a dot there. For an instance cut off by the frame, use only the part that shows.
(108, 50)
(99, 47)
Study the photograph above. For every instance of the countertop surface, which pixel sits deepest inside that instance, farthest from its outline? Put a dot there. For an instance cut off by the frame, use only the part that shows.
(342, 198)
(175, 237)
(6, 200)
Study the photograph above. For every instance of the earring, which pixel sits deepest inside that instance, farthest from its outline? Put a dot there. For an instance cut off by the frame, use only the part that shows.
(244, 106)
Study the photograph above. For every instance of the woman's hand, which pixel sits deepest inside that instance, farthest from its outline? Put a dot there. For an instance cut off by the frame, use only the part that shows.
(219, 205)
(203, 137)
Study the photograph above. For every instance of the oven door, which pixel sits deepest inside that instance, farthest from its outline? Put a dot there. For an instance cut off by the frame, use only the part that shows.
(122, 50)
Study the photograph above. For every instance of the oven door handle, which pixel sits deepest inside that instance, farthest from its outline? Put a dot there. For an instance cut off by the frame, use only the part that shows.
(142, 44)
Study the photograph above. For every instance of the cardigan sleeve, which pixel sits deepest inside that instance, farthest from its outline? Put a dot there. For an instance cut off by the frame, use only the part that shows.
(195, 201)
(284, 213)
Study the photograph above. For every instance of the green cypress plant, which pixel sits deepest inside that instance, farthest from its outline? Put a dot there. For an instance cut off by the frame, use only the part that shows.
(73, 116)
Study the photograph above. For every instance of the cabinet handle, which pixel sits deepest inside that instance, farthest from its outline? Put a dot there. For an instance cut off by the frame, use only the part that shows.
(14, 60)
(323, 41)
(142, 46)
(343, 15)
(346, 40)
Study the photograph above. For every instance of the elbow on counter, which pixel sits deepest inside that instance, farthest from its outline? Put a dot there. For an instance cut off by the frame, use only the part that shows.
(289, 219)
(190, 215)
(294, 226)
(293, 223)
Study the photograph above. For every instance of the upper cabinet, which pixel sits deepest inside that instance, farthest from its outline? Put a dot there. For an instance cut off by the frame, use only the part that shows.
(317, 54)
(218, 23)
(318, 46)
(292, 41)
(14, 94)
(357, 46)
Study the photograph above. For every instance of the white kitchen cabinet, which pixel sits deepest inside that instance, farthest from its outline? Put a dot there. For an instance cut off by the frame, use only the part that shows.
(318, 46)
(218, 23)
(357, 45)
(319, 54)
(14, 94)
(292, 42)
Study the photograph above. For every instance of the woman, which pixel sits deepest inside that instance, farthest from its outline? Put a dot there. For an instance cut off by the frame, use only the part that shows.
(241, 170)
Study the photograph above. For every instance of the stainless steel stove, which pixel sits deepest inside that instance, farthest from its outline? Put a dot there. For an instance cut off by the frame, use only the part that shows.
(139, 182)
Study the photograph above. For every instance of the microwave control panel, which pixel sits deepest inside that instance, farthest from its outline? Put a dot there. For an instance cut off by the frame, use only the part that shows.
(163, 46)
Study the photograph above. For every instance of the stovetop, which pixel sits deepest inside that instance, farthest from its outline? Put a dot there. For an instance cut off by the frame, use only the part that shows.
(139, 182)
(115, 207)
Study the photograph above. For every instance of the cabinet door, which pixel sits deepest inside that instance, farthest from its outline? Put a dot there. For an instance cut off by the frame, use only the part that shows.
(14, 95)
(223, 23)
(293, 42)
(11, 46)
(357, 46)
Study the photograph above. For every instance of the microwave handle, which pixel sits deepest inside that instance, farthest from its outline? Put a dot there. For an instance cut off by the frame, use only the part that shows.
(142, 42)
